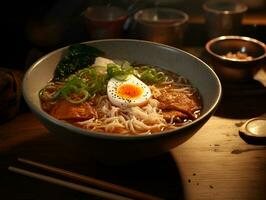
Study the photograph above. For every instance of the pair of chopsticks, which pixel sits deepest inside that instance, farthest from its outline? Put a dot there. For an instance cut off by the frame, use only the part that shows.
(118, 191)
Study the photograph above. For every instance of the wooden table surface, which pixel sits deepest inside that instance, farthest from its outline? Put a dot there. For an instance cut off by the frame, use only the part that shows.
(214, 164)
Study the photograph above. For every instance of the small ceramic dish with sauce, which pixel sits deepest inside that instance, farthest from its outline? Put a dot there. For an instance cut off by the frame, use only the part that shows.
(235, 58)
(253, 131)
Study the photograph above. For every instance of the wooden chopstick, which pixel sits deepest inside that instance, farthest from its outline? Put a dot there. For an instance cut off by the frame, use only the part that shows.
(89, 180)
(67, 184)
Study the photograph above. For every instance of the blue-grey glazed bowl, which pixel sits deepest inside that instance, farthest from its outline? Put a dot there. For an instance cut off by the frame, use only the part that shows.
(115, 148)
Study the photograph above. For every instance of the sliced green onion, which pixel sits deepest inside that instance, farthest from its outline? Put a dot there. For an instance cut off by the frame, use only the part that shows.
(45, 95)
(119, 72)
(150, 75)
(84, 98)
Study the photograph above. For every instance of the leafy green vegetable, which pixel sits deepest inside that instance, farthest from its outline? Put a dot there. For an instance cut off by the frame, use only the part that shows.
(77, 57)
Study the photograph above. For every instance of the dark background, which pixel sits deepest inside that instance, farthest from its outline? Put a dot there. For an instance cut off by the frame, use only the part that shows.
(29, 29)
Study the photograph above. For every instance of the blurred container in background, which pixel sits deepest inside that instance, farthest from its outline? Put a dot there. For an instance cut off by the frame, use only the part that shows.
(223, 17)
(105, 22)
(10, 93)
(162, 25)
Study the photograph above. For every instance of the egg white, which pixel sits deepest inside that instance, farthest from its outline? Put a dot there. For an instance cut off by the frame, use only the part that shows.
(120, 101)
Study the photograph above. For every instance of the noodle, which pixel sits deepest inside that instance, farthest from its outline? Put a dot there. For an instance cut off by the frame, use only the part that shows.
(135, 119)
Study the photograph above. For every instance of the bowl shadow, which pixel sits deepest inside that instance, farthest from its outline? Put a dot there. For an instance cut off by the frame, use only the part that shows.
(242, 106)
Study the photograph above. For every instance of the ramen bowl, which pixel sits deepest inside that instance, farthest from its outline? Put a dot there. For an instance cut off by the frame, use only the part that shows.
(114, 148)
(235, 58)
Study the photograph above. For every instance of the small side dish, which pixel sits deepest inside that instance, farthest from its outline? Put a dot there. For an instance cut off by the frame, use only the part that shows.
(235, 58)
(236, 49)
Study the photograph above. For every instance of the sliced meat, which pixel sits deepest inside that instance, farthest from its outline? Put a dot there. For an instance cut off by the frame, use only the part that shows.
(65, 110)
(179, 101)
(174, 115)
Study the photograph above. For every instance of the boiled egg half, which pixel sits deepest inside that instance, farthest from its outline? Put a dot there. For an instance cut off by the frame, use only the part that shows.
(128, 93)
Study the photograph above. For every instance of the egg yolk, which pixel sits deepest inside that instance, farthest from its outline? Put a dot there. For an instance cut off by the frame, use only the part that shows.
(129, 91)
